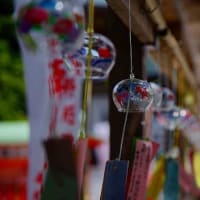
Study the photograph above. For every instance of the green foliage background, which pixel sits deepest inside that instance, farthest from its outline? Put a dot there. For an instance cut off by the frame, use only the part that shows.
(12, 88)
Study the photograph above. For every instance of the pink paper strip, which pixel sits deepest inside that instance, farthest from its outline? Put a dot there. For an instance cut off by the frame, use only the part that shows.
(148, 123)
(138, 179)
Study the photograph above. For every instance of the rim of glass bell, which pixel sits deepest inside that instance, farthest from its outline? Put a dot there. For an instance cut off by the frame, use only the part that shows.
(187, 118)
(132, 95)
(103, 58)
(157, 96)
(167, 103)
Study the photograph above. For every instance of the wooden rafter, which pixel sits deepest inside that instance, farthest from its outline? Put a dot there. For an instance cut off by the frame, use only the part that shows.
(142, 27)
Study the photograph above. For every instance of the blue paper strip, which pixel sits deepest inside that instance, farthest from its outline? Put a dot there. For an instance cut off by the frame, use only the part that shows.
(114, 184)
(171, 186)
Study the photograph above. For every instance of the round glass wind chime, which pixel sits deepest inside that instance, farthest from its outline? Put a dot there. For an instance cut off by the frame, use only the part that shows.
(156, 87)
(164, 98)
(131, 95)
(59, 19)
(102, 60)
(94, 60)
(168, 113)
(163, 106)
(103, 56)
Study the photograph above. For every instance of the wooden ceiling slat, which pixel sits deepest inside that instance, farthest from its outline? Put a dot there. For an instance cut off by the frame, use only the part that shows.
(141, 25)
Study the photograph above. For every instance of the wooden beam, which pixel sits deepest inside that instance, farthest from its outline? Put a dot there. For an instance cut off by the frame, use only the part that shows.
(152, 8)
(141, 25)
(169, 12)
(172, 43)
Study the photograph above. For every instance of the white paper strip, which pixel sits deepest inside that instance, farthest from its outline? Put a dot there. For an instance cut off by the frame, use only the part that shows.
(38, 103)
(50, 111)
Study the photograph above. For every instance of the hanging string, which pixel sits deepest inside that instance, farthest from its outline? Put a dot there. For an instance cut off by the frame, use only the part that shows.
(123, 131)
(131, 77)
(180, 87)
(130, 40)
(87, 85)
(159, 63)
(166, 71)
(90, 28)
(176, 135)
(174, 80)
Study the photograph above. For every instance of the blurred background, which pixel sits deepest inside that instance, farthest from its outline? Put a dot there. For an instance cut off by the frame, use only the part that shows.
(104, 121)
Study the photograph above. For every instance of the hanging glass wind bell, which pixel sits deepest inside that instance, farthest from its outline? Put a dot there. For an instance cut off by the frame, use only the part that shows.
(59, 19)
(156, 104)
(130, 95)
(163, 97)
(169, 113)
(137, 92)
(103, 56)
(156, 87)
(168, 97)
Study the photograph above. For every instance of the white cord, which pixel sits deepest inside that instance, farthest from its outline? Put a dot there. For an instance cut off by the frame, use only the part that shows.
(159, 63)
(131, 77)
(130, 40)
(123, 131)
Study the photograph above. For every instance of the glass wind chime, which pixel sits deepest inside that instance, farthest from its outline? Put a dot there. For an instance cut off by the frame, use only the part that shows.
(129, 95)
(164, 98)
(61, 19)
(95, 49)
(168, 113)
(102, 61)
(103, 55)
